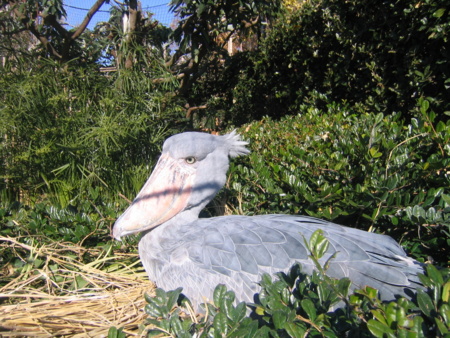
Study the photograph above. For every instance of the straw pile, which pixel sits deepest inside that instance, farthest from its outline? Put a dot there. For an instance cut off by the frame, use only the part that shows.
(63, 297)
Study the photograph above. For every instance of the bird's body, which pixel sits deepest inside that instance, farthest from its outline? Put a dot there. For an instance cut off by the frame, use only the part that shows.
(179, 249)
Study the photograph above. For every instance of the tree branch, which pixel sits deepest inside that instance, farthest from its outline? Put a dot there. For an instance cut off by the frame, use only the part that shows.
(192, 109)
(52, 21)
(168, 79)
(45, 42)
(98, 4)
(251, 23)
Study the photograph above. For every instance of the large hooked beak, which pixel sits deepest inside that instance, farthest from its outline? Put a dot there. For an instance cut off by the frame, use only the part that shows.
(164, 195)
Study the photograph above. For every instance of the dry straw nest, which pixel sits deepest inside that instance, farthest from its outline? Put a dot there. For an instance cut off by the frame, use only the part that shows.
(56, 295)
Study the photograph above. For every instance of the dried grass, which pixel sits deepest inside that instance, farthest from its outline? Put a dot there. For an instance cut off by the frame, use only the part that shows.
(64, 297)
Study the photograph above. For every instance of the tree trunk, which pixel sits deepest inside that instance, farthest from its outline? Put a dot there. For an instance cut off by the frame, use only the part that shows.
(132, 30)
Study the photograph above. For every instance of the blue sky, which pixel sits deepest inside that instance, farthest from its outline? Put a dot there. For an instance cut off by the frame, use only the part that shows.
(77, 10)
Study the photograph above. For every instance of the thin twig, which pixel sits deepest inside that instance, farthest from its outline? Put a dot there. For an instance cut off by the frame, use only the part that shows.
(398, 145)
(303, 319)
(124, 197)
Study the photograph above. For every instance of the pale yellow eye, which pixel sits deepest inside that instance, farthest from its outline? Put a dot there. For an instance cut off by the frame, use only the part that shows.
(190, 160)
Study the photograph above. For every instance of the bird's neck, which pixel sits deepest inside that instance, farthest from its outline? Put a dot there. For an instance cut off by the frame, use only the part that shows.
(173, 227)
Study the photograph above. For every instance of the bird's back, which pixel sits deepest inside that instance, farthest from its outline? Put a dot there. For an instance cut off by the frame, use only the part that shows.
(237, 250)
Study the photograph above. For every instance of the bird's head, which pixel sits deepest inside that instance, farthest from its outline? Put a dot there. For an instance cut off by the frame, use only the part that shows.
(191, 170)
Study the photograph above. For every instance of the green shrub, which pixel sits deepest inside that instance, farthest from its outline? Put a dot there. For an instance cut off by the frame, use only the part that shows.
(370, 171)
(89, 222)
(65, 129)
(378, 56)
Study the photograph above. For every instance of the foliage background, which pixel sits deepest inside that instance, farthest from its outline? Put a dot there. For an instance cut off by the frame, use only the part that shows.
(345, 105)
(378, 57)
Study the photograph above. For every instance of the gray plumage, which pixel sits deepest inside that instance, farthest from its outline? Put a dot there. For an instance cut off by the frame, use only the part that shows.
(179, 249)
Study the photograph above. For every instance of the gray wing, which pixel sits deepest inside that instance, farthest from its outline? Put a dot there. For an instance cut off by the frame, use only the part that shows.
(237, 250)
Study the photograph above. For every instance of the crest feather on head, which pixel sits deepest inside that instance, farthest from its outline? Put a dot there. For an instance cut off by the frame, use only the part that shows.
(235, 144)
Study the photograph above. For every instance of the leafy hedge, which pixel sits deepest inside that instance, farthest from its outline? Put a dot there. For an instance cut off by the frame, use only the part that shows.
(299, 305)
(378, 56)
(88, 222)
(370, 171)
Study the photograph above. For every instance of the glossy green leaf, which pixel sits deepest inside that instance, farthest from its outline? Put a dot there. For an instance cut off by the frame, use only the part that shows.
(443, 329)
(321, 247)
(176, 326)
(380, 316)
(434, 274)
(153, 310)
(446, 292)
(279, 318)
(424, 106)
(315, 237)
(239, 312)
(374, 152)
(343, 286)
(391, 313)
(440, 12)
(371, 292)
(173, 297)
(425, 303)
(220, 325)
(379, 329)
(309, 307)
(295, 330)
(218, 295)
(113, 332)
(444, 311)
(426, 281)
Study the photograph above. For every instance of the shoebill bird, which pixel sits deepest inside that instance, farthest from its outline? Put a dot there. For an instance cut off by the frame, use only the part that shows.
(179, 249)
